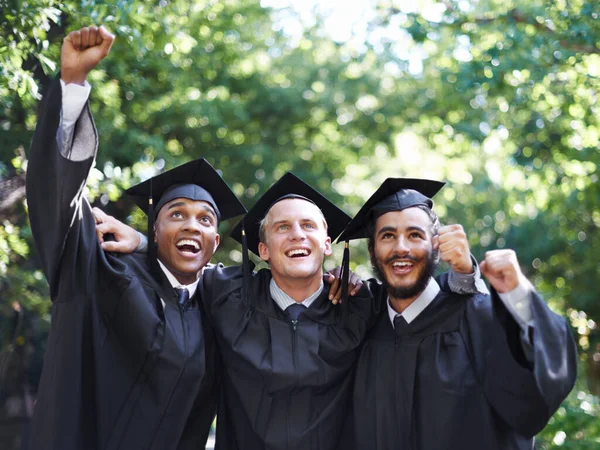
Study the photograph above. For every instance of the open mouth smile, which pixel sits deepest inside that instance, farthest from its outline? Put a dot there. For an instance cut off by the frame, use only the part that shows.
(188, 246)
(402, 267)
(297, 253)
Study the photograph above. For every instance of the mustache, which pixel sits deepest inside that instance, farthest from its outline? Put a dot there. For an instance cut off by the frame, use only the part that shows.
(393, 258)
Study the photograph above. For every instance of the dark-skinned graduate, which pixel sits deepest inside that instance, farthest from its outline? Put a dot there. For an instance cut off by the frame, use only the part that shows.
(442, 371)
(131, 361)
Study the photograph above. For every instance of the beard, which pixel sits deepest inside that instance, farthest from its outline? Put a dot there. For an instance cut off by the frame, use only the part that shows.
(403, 292)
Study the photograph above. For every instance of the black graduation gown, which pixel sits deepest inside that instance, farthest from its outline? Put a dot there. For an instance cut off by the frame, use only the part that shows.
(457, 377)
(120, 371)
(285, 386)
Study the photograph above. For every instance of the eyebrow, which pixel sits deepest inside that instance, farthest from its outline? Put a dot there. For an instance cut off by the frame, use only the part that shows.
(206, 207)
(390, 228)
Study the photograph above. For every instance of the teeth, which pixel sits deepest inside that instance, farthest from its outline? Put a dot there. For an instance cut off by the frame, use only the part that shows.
(401, 264)
(296, 252)
(189, 242)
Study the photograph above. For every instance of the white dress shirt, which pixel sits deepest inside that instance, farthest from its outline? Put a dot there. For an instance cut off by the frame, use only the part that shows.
(283, 300)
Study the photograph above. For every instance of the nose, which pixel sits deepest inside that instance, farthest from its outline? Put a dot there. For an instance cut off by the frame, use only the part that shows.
(401, 246)
(191, 225)
(297, 232)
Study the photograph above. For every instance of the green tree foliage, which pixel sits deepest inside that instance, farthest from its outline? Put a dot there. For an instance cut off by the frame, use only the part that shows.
(499, 98)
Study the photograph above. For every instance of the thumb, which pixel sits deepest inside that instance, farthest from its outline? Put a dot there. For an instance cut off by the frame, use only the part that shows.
(483, 267)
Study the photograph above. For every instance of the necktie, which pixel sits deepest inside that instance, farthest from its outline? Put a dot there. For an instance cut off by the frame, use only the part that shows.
(400, 325)
(295, 310)
(182, 296)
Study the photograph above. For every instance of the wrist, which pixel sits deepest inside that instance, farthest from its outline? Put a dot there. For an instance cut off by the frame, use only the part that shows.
(73, 78)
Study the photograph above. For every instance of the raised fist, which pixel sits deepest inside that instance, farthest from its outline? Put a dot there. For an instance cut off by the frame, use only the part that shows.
(82, 50)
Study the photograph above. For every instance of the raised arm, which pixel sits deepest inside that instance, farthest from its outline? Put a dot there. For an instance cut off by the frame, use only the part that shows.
(525, 353)
(58, 168)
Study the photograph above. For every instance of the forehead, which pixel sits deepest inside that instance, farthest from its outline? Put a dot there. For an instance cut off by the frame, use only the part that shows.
(294, 209)
(407, 218)
(188, 203)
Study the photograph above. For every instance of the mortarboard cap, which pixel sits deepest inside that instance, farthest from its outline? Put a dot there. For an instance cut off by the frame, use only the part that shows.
(395, 194)
(195, 180)
(288, 186)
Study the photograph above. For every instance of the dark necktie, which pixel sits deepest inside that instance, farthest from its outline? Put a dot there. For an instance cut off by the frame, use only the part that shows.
(400, 325)
(295, 310)
(182, 296)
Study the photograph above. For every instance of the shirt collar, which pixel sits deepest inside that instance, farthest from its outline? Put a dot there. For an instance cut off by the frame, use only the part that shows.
(283, 300)
(416, 307)
(176, 284)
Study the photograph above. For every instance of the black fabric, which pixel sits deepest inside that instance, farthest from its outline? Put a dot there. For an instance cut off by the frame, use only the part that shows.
(394, 194)
(121, 370)
(455, 378)
(287, 382)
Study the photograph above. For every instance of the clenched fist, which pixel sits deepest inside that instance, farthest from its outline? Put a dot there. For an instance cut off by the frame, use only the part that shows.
(502, 269)
(82, 50)
(452, 243)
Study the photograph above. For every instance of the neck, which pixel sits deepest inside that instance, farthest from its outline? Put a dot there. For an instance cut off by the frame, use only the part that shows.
(182, 278)
(298, 289)
(400, 304)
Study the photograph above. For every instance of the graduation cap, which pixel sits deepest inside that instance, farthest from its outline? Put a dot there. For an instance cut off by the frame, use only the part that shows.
(395, 194)
(195, 180)
(288, 186)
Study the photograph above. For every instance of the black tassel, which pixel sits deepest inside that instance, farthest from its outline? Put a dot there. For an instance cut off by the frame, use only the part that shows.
(152, 251)
(345, 280)
(245, 267)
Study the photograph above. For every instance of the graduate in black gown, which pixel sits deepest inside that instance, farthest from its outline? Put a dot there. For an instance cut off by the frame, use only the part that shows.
(445, 371)
(131, 362)
(288, 352)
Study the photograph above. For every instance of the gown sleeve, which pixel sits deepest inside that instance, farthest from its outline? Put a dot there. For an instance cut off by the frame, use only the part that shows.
(525, 390)
(56, 178)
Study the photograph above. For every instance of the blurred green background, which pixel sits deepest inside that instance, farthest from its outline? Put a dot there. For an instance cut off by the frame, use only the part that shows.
(498, 98)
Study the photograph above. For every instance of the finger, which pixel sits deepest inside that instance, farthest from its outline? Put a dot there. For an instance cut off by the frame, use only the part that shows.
(100, 216)
(337, 272)
(357, 287)
(93, 37)
(113, 246)
(335, 286)
(107, 38)
(76, 39)
(436, 242)
(337, 295)
(328, 278)
(106, 227)
(100, 236)
(85, 37)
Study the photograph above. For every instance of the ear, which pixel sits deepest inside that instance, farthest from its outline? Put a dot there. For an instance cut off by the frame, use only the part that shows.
(328, 250)
(217, 242)
(263, 251)
(154, 233)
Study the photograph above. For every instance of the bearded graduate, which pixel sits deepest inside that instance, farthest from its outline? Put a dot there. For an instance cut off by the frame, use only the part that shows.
(131, 361)
(447, 371)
